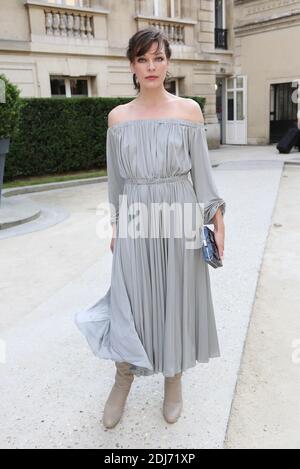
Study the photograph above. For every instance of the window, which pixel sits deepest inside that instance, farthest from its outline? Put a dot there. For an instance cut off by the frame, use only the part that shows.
(219, 14)
(79, 87)
(167, 8)
(173, 86)
(58, 87)
(220, 25)
(69, 87)
(71, 3)
(175, 8)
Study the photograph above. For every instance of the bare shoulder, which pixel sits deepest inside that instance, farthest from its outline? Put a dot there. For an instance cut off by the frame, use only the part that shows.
(117, 114)
(183, 108)
(193, 110)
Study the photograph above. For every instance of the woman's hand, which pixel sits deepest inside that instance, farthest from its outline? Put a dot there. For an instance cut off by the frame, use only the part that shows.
(219, 232)
(220, 237)
(112, 243)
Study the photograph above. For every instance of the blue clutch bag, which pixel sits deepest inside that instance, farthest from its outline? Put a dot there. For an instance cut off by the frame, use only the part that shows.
(210, 249)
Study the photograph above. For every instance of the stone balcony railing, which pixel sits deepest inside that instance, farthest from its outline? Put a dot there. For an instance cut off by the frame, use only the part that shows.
(178, 31)
(173, 31)
(63, 24)
(68, 24)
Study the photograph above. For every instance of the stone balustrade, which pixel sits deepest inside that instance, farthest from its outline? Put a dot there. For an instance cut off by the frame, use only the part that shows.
(174, 31)
(68, 24)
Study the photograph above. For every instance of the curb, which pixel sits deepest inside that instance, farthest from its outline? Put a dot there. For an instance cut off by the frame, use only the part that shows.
(51, 186)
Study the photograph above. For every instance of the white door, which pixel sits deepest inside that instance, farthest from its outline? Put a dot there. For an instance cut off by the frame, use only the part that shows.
(236, 110)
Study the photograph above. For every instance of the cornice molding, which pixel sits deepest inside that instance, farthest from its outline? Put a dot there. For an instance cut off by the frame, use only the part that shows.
(268, 24)
(258, 6)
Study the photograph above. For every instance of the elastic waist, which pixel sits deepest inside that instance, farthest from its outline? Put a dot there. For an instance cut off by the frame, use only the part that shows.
(156, 180)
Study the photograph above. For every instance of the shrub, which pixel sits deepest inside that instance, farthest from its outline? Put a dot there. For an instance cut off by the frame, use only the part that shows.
(9, 109)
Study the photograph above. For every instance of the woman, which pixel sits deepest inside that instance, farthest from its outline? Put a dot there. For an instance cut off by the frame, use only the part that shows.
(157, 315)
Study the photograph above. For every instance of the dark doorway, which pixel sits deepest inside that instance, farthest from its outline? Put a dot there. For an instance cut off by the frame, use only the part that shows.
(219, 105)
(283, 112)
(170, 86)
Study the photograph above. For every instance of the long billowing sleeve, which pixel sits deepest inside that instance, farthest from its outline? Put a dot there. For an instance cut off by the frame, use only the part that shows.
(201, 174)
(114, 180)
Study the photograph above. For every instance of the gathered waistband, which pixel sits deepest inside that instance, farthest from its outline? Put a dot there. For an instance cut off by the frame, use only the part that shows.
(156, 180)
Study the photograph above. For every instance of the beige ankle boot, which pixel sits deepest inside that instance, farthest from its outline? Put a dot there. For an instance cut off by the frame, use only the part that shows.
(115, 403)
(172, 405)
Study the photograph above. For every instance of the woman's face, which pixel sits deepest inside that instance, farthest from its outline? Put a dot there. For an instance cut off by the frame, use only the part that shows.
(153, 63)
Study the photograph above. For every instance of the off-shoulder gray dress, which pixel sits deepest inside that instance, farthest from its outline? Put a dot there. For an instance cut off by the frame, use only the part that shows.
(158, 312)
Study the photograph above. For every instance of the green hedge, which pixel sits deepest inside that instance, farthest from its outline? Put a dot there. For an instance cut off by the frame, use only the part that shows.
(61, 135)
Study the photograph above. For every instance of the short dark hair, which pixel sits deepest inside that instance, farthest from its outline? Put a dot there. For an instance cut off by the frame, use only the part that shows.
(141, 42)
